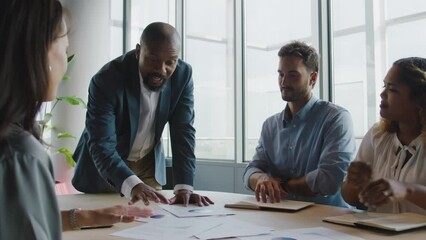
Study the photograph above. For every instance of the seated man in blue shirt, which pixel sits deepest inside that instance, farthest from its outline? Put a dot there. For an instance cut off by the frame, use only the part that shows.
(303, 151)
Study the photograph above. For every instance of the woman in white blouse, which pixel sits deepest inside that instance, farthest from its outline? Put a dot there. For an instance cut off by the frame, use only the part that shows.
(389, 171)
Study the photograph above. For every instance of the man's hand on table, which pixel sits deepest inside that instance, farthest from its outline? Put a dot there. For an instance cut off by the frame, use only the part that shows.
(186, 196)
(267, 186)
(146, 193)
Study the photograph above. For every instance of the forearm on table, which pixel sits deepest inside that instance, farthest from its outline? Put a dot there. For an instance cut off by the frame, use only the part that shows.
(254, 178)
(416, 194)
(66, 226)
(81, 218)
(299, 186)
(350, 194)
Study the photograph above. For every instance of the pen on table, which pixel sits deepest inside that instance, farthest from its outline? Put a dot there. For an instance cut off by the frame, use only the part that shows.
(90, 227)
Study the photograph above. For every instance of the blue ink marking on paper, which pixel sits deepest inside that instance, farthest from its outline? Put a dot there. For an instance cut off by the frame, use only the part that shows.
(200, 210)
(157, 216)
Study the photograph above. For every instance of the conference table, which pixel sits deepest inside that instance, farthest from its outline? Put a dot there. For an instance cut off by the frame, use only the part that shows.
(306, 218)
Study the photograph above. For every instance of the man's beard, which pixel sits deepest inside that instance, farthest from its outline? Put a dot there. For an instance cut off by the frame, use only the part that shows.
(296, 95)
(291, 96)
(147, 80)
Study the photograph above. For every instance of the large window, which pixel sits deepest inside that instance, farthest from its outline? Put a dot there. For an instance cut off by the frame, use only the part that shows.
(266, 34)
(116, 33)
(232, 46)
(368, 36)
(209, 49)
(144, 12)
(351, 87)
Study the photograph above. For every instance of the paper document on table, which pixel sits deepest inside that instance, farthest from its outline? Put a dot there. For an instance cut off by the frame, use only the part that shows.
(317, 233)
(250, 202)
(195, 211)
(157, 216)
(387, 221)
(231, 227)
(169, 228)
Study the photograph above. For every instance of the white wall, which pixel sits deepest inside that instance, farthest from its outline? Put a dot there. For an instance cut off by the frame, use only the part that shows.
(89, 40)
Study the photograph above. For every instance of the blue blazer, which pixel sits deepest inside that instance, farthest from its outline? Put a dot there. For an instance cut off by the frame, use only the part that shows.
(112, 122)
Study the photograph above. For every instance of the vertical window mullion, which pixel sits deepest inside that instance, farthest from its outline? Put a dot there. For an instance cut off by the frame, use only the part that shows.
(376, 55)
(325, 41)
(239, 81)
(180, 25)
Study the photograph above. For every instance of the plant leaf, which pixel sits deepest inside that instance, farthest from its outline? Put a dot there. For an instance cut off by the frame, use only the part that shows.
(50, 127)
(68, 156)
(73, 101)
(70, 58)
(47, 117)
(65, 135)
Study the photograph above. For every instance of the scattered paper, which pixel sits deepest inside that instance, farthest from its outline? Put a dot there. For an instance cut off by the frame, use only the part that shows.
(171, 227)
(231, 227)
(317, 233)
(191, 211)
(154, 218)
(168, 228)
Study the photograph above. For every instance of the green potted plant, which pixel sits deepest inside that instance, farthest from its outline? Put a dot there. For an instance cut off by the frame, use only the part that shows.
(46, 128)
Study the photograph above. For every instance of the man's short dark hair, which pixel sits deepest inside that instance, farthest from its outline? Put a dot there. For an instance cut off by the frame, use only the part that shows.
(300, 49)
(159, 32)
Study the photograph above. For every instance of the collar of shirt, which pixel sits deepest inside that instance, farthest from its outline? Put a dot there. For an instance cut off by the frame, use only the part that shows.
(287, 117)
(145, 134)
(144, 89)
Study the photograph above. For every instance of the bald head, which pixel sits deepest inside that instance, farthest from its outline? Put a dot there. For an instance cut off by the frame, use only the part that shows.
(158, 54)
(160, 33)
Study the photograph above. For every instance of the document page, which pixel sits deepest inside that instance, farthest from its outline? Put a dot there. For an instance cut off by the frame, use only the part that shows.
(195, 211)
(168, 228)
(315, 233)
(214, 227)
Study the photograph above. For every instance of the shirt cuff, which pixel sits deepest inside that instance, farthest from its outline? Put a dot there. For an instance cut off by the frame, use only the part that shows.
(182, 186)
(128, 184)
(311, 179)
(246, 177)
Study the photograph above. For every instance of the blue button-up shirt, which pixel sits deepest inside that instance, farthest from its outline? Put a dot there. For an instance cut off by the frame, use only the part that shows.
(317, 142)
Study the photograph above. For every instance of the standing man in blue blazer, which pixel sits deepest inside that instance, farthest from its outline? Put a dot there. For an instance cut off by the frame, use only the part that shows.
(130, 100)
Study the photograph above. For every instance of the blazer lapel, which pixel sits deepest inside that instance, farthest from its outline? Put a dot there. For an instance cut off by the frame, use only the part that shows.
(162, 109)
(133, 92)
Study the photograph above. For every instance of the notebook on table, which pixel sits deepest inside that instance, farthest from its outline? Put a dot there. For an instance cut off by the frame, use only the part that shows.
(285, 205)
(387, 221)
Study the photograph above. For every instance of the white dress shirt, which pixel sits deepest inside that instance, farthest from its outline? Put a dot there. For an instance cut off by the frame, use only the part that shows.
(144, 140)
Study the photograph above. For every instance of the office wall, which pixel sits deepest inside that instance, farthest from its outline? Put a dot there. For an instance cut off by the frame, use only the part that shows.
(89, 40)
(220, 176)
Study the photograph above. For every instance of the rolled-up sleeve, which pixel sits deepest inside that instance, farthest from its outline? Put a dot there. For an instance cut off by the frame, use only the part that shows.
(260, 162)
(336, 154)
